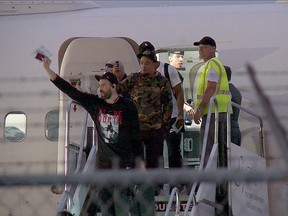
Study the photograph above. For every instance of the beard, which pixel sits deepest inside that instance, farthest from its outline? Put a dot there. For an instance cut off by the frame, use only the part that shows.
(106, 95)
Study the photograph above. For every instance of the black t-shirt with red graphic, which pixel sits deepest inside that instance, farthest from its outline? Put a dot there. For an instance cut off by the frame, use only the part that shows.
(117, 125)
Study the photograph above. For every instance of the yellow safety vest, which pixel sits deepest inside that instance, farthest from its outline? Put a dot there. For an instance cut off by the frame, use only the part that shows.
(222, 92)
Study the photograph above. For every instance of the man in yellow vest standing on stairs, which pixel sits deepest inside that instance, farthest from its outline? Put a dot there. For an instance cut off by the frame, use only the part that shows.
(212, 81)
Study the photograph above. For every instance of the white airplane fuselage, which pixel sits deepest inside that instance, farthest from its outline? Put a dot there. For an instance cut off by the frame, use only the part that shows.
(244, 33)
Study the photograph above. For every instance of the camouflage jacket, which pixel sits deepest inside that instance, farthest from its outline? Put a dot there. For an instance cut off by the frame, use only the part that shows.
(152, 97)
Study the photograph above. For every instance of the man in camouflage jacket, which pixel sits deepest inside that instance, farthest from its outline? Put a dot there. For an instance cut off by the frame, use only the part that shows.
(151, 93)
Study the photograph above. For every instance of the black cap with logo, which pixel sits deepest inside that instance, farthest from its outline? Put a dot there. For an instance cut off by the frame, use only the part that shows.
(149, 54)
(108, 76)
(146, 45)
(206, 41)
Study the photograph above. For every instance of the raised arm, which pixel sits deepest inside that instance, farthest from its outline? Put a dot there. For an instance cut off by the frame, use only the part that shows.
(46, 64)
(81, 97)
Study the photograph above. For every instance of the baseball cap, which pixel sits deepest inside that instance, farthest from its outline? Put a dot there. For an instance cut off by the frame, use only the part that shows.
(149, 54)
(146, 45)
(114, 62)
(178, 52)
(206, 41)
(108, 76)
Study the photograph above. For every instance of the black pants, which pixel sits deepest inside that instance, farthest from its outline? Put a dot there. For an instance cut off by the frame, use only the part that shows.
(153, 140)
(173, 141)
(222, 188)
(222, 138)
(114, 200)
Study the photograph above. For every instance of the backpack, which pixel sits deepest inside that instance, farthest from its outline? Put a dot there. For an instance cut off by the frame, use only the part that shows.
(166, 65)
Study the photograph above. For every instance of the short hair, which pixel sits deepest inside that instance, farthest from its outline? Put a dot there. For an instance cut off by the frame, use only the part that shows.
(228, 72)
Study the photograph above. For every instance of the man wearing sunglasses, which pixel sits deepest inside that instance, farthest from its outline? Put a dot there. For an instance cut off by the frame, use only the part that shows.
(117, 68)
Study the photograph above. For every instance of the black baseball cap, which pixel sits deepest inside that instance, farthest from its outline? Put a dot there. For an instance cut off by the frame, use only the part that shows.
(146, 45)
(149, 54)
(178, 52)
(108, 76)
(206, 41)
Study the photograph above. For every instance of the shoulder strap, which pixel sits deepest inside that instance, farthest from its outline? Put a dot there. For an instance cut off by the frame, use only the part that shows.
(180, 76)
(168, 77)
(166, 65)
(166, 72)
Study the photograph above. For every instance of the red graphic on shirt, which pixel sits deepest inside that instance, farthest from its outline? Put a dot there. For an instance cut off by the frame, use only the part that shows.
(109, 123)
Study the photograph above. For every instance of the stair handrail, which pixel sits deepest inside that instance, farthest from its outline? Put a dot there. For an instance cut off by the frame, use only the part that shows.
(66, 201)
(261, 132)
(174, 193)
(84, 129)
(66, 197)
(211, 101)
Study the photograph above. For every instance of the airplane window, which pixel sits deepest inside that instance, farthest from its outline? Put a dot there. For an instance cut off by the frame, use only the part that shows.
(15, 127)
(52, 125)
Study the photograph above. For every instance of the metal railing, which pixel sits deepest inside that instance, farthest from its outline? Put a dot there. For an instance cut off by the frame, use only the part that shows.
(261, 132)
(262, 150)
(192, 192)
(174, 193)
(66, 199)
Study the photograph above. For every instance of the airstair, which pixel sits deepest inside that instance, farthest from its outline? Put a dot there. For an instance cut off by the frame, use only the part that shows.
(200, 201)
(239, 197)
(79, 60)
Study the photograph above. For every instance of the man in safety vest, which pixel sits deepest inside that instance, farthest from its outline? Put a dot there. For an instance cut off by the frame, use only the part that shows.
(212, 81)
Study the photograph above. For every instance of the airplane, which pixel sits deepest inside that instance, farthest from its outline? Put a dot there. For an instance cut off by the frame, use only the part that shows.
(249, 32)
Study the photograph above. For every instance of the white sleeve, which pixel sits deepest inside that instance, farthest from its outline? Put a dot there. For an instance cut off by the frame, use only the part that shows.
(174, 76)
(213, 76)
